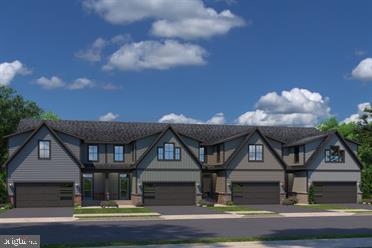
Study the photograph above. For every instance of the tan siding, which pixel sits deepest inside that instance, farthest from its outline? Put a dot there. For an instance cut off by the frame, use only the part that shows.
(231, 146)
(299, 182)
(220, 182)
(288, 156)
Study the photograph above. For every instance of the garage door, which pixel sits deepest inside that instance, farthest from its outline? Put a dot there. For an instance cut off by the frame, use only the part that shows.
(335, 192)
(160, 194)
(256, 193)
(30, 195)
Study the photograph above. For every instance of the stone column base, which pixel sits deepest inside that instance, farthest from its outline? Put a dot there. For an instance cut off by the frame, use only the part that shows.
(198, 198)
(11, 200)
(137, 200)
(302, 198)
(77, 199)
(282, 197)
(359, 198)
(223, 198)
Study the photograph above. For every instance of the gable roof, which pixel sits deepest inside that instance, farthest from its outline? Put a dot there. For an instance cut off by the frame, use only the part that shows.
(60, 142)
(325, 142)
(126, 132)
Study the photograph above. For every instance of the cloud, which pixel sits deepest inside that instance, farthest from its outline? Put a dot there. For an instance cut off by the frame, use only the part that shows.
(360, 52)
(93, 53)
(187, 19)
(180, 118)
(108, 117)
(110, 86)
(356, 117)
(297, 107)
(363, 71)
(155, 55)
(8, 70)
(81, 83)
(55, 82)
(50, 83)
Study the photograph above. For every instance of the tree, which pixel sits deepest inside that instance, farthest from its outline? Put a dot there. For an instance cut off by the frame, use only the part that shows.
(48, 116)
(13, 108)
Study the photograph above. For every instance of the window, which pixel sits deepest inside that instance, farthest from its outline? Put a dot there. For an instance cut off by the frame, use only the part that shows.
(177, 153)
(124, 186)
(202, 154)
(160, 153)
(218, 151)
(118, 153)
(44, 149)
(93, 153)
(169, 151)
(255, 153)
(88, 186)
(296, 151)
(334, 155)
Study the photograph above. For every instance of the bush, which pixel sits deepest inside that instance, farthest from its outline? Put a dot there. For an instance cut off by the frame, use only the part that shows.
(311, 195)
(366, 185)
(229, 203)
(109, 204)
(210, 204)
(290, 200)
(202, 202)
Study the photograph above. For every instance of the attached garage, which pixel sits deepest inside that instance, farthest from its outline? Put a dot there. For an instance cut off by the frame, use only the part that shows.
(256, 193)
(335, 192)
(32, 195)
(161, 194)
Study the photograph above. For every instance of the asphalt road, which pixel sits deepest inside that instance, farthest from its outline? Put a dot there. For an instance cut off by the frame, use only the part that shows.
(99, 231)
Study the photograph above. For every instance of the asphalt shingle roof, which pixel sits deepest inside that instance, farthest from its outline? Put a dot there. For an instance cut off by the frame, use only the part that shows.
(125, 132)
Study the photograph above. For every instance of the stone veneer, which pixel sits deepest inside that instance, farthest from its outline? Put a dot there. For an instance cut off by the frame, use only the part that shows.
(137, 199)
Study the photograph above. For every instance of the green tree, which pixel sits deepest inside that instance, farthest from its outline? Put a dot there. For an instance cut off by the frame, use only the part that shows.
(13, 108)
(48, 116)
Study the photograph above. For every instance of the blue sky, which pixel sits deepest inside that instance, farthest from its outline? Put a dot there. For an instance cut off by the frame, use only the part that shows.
(198, 61)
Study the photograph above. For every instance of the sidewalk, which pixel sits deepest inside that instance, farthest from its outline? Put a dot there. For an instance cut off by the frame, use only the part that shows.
(329, 243)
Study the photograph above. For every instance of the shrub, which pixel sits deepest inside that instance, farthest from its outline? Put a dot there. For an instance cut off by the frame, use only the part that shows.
(290, 200)
(210, 204)
(202, 202)
(109, 204)
(229, 203)
(311, 195)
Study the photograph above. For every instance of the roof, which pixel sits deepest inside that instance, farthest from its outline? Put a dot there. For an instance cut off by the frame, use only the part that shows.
(307, 140)
(126, 132)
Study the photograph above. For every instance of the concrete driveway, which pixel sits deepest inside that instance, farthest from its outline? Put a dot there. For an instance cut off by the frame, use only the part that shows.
(285, 208)
(180, 210)
(37, 212)
(357, 206)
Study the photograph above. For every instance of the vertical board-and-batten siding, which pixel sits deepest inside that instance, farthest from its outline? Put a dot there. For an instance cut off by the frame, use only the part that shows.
(26, 167)
(242, 170)
(150, 169)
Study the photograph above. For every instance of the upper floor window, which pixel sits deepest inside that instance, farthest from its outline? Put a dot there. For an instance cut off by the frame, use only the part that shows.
(255, 153)
(44, 149)
(296, 151)
(169, 152)
(92, 152)
(218, 153)
(118, 153)
(334, 155)
(202, 154)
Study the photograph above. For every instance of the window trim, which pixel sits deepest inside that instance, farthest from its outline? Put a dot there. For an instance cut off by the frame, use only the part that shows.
(92, 187)
(331, 162)
(38, 150)
(163, 153)
(255, 153)
(114, 153)
(204, 154)
(177, 148)
(296, 154)
(174, 151)
(97, 152)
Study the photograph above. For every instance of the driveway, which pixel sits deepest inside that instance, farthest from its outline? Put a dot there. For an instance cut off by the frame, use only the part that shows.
(180, 210)
(37, 212)
(285, 208)
(357, 206)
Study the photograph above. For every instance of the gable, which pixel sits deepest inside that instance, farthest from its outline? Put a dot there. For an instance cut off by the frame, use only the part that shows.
(15, 141)
(318, 162)
(150, 160)
(240, 161)
(26, 166)
(231, 145)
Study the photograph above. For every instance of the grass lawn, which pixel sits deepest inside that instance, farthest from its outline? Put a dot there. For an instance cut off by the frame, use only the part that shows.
(110, 210)
(205, 240)
(3, 210)
(325, 206)
(233, 208)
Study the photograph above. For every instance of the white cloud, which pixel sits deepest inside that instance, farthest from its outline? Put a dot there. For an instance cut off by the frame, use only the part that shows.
(181, 18)
(81, 83)
(108, 117)
(155, 55)
(363, 71)
(93, 53)
(8, 70)
(121, 39)
(297, 107)
(55, 82)
(356, 117)
(50, 83)
(110, 86)
(180, 118)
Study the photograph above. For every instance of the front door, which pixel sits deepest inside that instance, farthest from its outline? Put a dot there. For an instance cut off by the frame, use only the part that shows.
(124, 186)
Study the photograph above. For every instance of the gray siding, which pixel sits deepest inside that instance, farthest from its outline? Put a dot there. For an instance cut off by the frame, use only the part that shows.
(16, 141)
(99, 186)
(276, 145)
(192, 144)
(26, 167)
(311, 147)
(101, 153)
(71, 143)
(143, 144)
(353, 146)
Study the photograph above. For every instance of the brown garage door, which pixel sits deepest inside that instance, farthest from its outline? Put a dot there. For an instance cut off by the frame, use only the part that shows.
(160, 194)
(256, 193)
(335, 192)
(29, 195)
